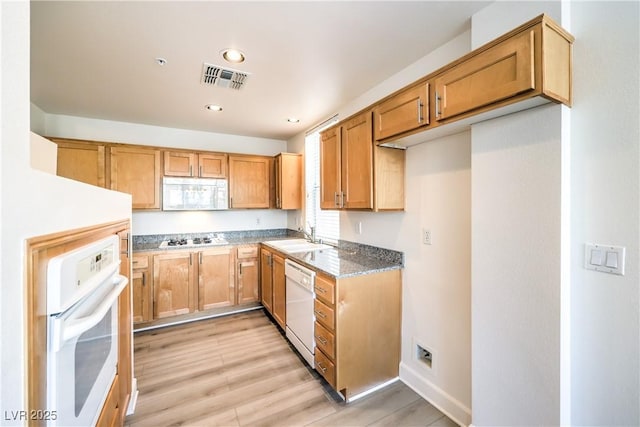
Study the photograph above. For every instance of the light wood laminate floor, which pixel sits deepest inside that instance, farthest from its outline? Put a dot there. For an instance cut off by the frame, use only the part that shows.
(240, 370)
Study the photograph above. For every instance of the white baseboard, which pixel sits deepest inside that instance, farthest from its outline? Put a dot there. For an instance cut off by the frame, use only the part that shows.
(134, 397)
(445, 403)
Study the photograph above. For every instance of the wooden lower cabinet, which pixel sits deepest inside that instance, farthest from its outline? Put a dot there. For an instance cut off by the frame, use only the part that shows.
(112, 414)
(248, 275)
(176, 282)
(173, 274)
(273, 284)
(216, 278)
(357, 330)
(266, 279)
(142, 292)
(279, 290)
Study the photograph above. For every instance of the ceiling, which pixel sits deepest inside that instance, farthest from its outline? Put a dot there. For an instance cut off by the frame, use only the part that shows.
(305, 59)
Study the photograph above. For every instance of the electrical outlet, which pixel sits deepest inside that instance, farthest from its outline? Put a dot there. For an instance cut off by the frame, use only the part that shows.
(426, 236)
(258, 221)
(359, 227)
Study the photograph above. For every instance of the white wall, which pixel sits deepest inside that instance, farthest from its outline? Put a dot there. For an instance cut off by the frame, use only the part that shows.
(516, 242)
(145, 223)
(605, 157)
(30, 202)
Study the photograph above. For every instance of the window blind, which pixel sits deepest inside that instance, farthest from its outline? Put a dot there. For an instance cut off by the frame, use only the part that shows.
(326, 222)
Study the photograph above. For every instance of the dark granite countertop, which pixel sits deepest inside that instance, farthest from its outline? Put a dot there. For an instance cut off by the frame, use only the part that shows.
(345, 260)
(348, 260)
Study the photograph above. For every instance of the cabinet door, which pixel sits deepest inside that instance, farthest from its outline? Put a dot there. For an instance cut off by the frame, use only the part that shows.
(179, 163)
(216, 278)
(279, 290)
(288, 181)
(136, 171)
(501, 72)
(83, 162)
(212, 165)
(357, 163)
(172, 284)
(141, 296)
(266, 280)
(247, 280)
(403, 112)
(249, 182)
(330, 171)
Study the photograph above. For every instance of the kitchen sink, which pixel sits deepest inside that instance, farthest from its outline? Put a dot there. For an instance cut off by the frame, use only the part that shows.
(296, 245)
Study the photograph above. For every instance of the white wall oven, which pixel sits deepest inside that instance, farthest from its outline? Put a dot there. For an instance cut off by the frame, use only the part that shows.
(83, 287)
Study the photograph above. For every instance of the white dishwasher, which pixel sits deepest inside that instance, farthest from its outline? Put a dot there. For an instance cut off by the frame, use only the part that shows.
(299, 301)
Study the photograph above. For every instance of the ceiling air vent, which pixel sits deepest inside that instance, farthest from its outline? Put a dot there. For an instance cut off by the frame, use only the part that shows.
(224, 77)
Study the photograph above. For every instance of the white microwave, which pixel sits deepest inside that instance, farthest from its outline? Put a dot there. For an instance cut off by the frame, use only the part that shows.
(194, 194)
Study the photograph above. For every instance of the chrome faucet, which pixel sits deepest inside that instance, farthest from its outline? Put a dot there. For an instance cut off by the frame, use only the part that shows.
(310, 236)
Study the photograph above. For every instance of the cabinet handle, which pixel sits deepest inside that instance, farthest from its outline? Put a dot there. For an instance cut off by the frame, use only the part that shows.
(230, 202)
(437, 105)
(321, 340)
(321, 290)
(320, 314)
(240, 266)
(344, 196)
(144, 279)
(322, 368)
(419, 111)
(336, 199)
(200, 172)
(135, 261)
(190, 170)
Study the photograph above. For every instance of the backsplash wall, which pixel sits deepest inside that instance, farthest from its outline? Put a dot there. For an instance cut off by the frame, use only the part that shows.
(144, 223)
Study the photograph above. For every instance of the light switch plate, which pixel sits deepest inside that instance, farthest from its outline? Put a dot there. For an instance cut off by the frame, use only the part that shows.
(601, 258)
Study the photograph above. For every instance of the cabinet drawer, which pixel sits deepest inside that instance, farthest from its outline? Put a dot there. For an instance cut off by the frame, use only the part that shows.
(247, 252)
(140, 261)
(326, 368)
(325, 290)
(324, 314)
(325, 340)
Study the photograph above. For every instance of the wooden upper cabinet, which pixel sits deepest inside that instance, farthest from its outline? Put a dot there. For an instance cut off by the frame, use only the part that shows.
(357, 163)
(249, 181)
(81, 161)
(212, 165)
(330, 169)
(288, 181)
(177, 163)
(136, 171)
(405, 111)
(347, 168)
(190, 164)
(216, 278)
(533, 60)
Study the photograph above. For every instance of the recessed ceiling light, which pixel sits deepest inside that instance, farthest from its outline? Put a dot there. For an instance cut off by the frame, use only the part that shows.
(233, 55)
(293, 120)
(161, 61)
(212, 107)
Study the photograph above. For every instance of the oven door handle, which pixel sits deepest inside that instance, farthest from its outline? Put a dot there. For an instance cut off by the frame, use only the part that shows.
(66, 330)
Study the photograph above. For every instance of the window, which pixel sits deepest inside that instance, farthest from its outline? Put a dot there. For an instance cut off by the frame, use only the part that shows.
(326, 222)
